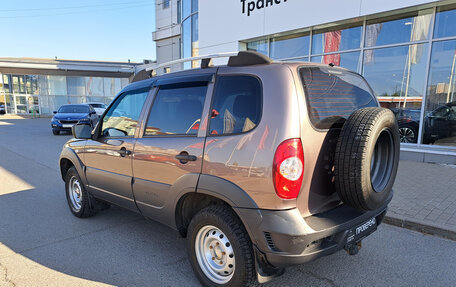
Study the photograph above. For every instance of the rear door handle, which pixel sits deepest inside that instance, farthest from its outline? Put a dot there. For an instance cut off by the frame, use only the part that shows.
(123, 152)
(184, 157)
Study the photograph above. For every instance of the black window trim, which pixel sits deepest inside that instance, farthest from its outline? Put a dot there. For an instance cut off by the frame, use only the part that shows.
(208, 132)
(182, 84)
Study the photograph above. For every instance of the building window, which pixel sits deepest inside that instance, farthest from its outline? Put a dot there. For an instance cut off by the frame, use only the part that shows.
(394, 54)
(296, 45)
(327, 41)
(166, 70)
(439, 121)
(165, 4)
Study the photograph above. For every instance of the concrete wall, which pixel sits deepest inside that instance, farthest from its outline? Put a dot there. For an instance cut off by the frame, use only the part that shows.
(167, 32)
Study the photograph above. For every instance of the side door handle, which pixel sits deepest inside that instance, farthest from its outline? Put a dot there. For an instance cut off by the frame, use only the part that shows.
(184, 157)
(123, 152)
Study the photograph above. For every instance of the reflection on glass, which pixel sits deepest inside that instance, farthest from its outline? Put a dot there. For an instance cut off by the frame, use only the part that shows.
(186, 40)
(195, 50)
(397, 74)
(414, 28)
(346, 60)
(440, 109)
(76, 86)
(316, 59)
(94, 86)
(194, 6)
(339, 40)
(445, 23)
(186, 8)
(289, 46)
(57, 85)
(176, 111)
(260, 46)
(303, 59)
(122, 118)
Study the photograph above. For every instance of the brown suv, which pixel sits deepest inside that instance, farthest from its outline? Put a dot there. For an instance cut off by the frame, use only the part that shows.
(259, 164)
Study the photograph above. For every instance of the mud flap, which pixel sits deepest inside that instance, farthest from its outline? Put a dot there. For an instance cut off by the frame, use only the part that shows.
(265, 271)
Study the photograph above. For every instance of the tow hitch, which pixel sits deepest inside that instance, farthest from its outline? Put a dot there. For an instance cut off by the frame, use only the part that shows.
(353, 249)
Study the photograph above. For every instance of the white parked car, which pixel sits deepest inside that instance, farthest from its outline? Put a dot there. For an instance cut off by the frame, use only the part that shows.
(99, 108)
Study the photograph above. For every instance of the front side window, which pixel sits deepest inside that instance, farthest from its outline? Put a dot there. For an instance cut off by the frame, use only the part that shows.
(177, 110)
(122, 118)
(236, 106)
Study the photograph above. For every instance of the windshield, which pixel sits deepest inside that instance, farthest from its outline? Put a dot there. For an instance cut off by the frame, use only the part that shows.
(74, 109)
(334, 94)
(103, 106)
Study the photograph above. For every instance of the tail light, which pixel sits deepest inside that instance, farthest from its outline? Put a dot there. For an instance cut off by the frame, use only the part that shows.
(288, 168)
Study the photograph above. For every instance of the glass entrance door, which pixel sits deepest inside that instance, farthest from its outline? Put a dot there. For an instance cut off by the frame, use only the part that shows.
(26, 104)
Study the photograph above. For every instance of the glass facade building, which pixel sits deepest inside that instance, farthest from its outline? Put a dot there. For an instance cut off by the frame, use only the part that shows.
(42, 94)
(188, 12)
(409, 59)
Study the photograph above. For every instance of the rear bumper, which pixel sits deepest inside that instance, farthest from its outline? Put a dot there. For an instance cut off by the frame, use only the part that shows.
(285, 238)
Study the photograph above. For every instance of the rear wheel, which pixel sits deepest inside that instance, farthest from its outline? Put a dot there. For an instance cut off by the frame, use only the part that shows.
(220, 249)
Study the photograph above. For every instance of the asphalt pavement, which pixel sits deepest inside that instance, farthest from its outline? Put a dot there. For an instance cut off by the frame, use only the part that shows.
(43, 244)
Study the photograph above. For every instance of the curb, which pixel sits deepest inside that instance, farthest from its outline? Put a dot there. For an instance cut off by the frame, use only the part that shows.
(420, 227)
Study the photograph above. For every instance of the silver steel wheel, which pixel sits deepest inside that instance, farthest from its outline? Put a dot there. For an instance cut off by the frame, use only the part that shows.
(215, 254)
(75, 193)
(407, 135)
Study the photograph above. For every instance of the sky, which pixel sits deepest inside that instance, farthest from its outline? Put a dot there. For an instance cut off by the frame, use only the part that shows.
(99, 30)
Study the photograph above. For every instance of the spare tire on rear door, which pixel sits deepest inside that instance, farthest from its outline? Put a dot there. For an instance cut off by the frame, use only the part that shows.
(366, 158)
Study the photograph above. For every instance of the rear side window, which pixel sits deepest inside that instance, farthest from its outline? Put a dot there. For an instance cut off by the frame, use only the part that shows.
(177, 110)
(332, 95)
(236, 107)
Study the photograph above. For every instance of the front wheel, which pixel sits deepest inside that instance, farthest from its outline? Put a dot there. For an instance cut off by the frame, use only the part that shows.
(79, 200)
(220, 249)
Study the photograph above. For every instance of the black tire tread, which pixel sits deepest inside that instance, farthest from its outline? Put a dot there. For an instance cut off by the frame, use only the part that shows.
(350, 152)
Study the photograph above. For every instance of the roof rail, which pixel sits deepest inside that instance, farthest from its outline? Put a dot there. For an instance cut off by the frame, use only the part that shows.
(248, 58)
(236, 59)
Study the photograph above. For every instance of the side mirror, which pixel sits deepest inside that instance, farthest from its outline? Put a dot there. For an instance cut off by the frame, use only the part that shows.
(54, 112)
(81, 131)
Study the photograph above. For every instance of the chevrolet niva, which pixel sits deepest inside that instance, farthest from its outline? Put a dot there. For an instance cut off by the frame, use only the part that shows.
(259, 164)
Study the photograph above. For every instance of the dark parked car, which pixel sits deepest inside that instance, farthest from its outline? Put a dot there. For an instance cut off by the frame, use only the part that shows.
(2, 109)
(69, 115)
(408, 121)
(260, 165)
(438, 124)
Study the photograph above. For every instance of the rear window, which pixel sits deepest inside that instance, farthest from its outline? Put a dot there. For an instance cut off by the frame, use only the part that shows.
(333, 94)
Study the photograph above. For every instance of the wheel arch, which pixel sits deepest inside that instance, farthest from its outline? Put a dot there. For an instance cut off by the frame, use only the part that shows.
(68, 159)
(211, 190)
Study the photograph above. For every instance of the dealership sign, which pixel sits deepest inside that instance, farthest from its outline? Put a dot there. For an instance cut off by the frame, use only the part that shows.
(250, 6)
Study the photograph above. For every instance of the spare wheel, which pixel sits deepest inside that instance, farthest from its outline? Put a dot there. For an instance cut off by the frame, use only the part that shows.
(366, 158)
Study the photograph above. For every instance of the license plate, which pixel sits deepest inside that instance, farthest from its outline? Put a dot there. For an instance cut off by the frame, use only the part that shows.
(67, 125)
(358, 233)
